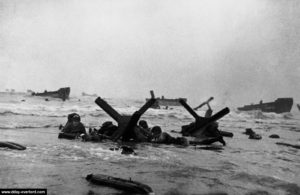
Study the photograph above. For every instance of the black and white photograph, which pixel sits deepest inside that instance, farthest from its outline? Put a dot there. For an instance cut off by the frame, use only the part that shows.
(157, 97)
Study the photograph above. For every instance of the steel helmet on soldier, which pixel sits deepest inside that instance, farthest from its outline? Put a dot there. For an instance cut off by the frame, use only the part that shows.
(76, 117)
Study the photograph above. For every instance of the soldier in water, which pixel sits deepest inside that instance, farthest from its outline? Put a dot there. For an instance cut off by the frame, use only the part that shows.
(74, 128)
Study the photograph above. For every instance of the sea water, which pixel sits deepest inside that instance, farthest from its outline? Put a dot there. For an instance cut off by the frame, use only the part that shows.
(243, 166)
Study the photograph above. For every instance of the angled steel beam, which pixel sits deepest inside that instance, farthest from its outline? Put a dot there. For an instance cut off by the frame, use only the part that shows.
(206, 102)
(201, 122)
(108, 109)
(190, 110)
(126, 123)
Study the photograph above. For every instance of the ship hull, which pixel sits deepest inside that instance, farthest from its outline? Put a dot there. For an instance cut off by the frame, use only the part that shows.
(280, 105)
(62, 93)
(166, 102)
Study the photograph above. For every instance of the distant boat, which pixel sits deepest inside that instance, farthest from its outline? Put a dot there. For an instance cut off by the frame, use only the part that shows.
(280, 105)
(12, 92)
(164, 101)
(62, 93)
(85, 94)
(298, 105)
(29, 91)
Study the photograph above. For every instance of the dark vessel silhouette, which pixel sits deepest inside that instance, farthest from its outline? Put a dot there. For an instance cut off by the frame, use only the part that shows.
(62, 93)
(164, 101)
(298, 105)
(280, 105)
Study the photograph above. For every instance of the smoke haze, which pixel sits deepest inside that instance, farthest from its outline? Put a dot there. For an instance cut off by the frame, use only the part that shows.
(237, 51)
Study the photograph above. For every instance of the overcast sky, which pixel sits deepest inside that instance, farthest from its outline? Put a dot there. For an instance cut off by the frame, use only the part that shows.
(239, 51)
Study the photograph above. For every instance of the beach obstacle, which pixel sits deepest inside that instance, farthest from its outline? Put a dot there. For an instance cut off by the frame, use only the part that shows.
(206, 102)
(201, 122)
(126, 123)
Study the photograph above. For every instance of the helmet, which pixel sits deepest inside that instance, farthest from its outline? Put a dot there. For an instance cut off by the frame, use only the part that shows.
(156, 130)
(107, 124)
(143, 124)
(70, 116)
(76, 117)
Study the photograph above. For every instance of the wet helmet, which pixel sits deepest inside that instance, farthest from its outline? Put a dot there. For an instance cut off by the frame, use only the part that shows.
(107, 124)
(70, 116)
(76, 117)
(143, 124)
(156, 131)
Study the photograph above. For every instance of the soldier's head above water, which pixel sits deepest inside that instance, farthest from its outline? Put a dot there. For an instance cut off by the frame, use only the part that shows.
(143, 124)
(70, 116)
(156, 131)
(76, 120)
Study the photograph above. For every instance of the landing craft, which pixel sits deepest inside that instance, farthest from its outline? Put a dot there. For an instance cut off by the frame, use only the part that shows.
(62, 93)
(86, 94)
(164, 101)
(280, 105)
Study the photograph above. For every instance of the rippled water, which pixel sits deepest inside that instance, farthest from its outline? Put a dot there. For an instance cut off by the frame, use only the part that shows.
(244, 166)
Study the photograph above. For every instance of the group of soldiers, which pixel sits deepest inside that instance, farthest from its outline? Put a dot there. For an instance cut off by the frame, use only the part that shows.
(130, 128)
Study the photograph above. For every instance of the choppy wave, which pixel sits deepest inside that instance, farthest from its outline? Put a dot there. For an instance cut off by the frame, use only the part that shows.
(42, 113)
(272, 182)
(97, 114)
(58, 114)
(20, 126)
(126, 107)
(296, 129)
(8, 113)
(45, 110)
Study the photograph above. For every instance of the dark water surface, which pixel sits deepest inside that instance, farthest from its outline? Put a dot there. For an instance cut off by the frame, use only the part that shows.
(244, 166)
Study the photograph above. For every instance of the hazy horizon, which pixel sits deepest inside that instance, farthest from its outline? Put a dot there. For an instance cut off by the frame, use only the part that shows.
(237, 51)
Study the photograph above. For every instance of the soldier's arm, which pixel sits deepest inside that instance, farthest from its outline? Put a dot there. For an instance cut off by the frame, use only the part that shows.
(82, 129)
(67, 129)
